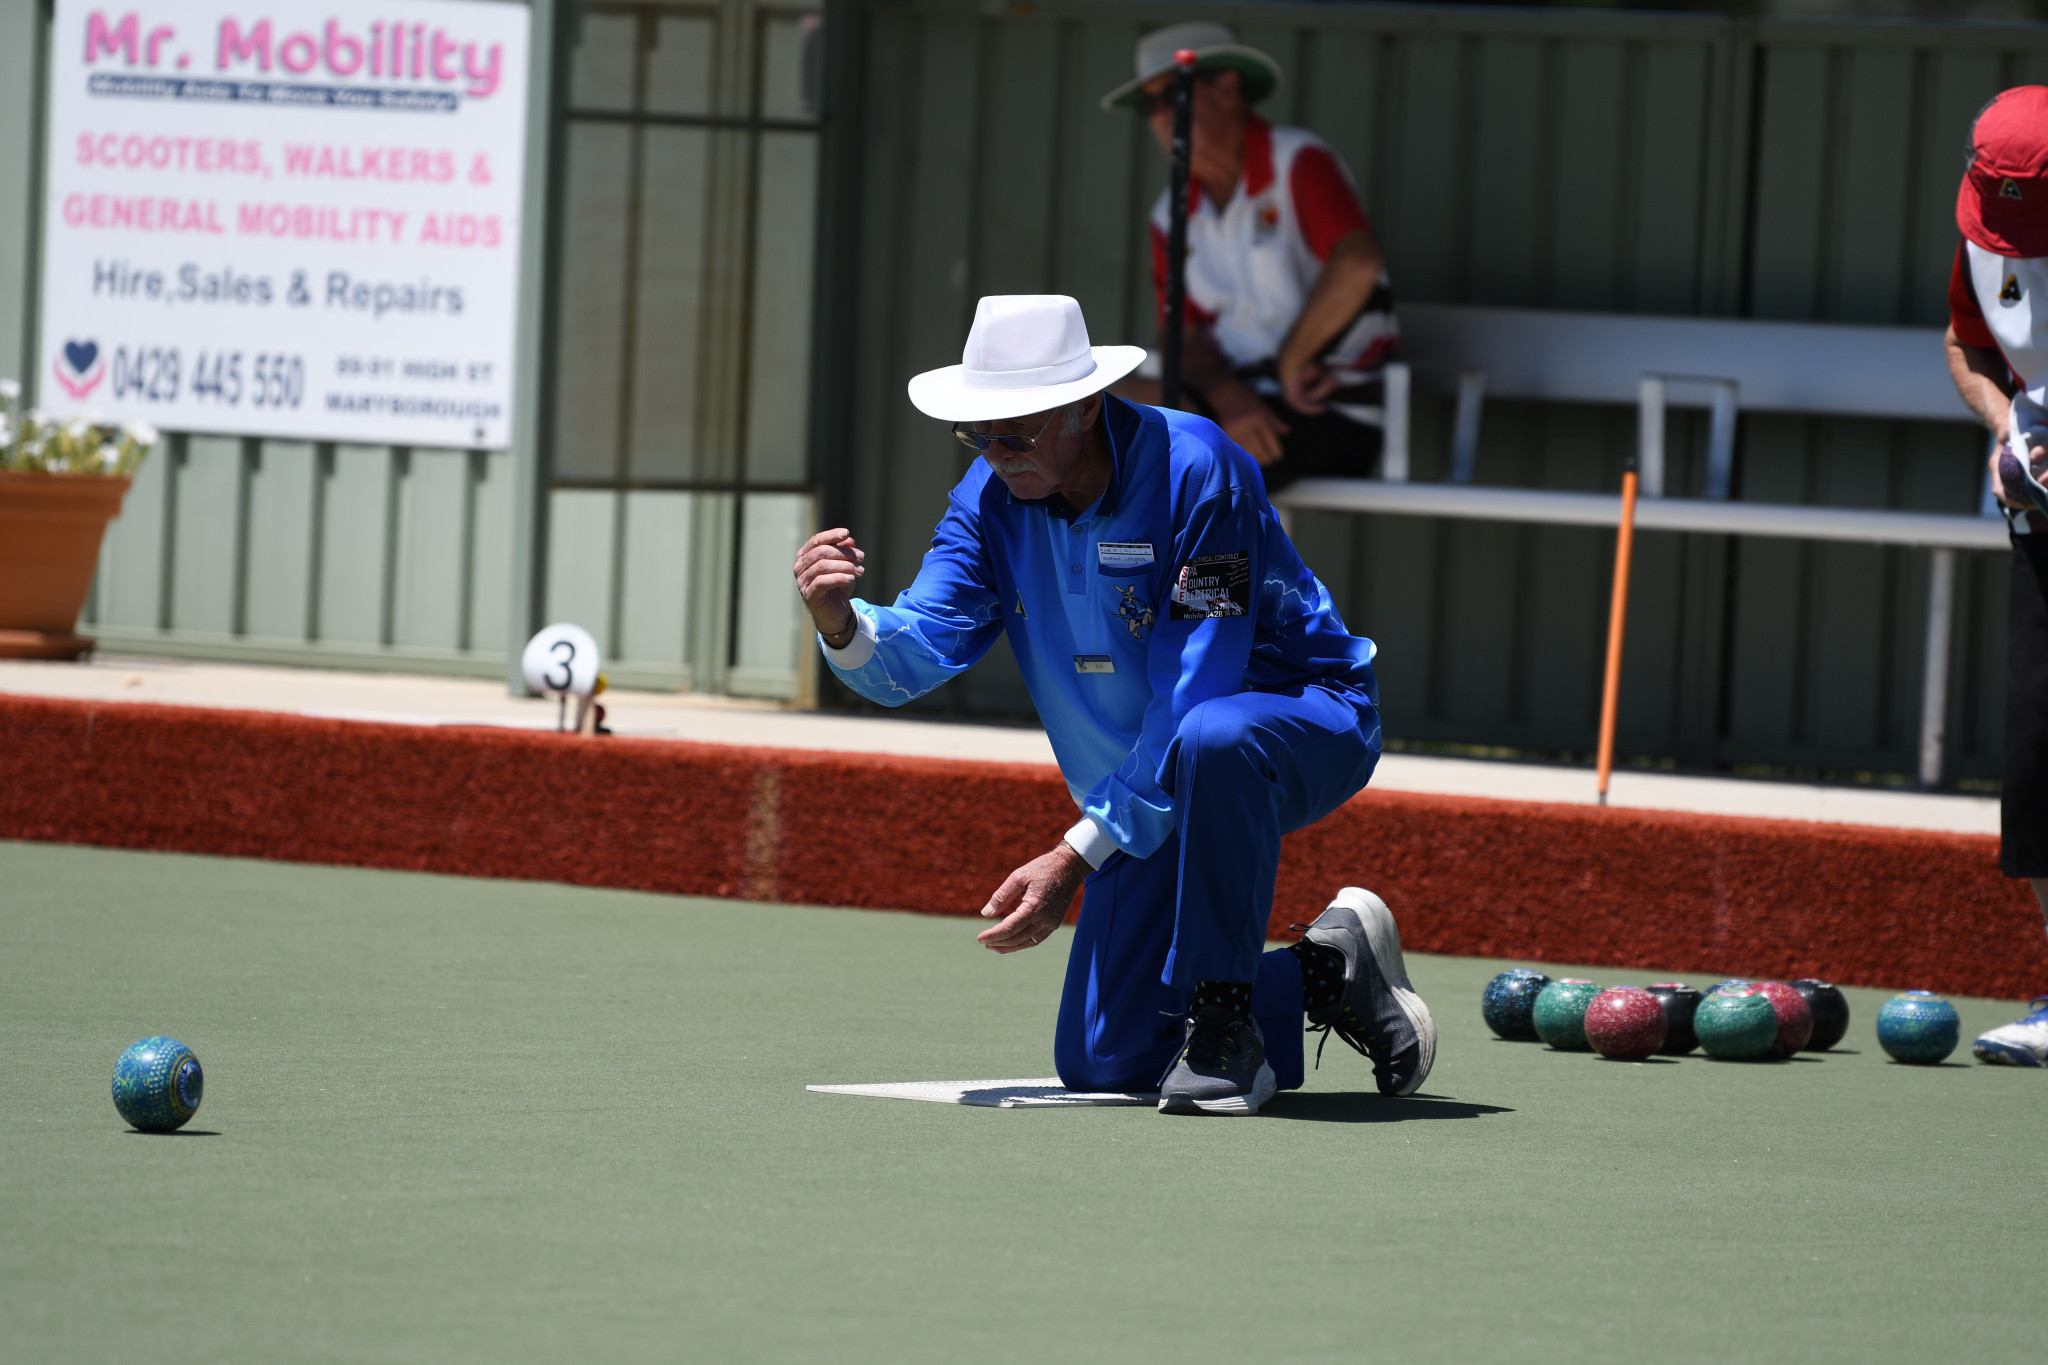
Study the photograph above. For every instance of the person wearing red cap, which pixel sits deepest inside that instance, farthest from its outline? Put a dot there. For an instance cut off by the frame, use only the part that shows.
(1290, 316)
(1998, 354)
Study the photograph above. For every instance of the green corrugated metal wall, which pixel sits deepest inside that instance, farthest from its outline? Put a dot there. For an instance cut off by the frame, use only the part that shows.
(294, 552)
(1626, 162)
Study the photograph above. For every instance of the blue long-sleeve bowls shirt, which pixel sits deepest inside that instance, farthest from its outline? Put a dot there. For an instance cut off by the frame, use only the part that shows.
(1176, 586)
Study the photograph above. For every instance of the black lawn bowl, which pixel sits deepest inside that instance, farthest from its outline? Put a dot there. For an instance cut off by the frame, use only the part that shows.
(1830, 1013)
(1680, 1002)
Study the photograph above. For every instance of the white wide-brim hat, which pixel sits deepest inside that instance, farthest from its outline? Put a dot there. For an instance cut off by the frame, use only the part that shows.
(1216, 49)
(1025, 353)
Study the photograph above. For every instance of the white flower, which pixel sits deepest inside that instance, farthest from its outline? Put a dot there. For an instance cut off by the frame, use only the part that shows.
(142, 433)
(77, 428)
(9, 389)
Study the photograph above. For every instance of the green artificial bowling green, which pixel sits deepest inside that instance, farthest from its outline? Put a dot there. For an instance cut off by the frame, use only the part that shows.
(1735, 1026)
(1560, 1013)
(451, 1119)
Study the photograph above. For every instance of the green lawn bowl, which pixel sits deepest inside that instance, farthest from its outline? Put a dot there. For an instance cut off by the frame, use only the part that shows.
(1560, 1013)
(1735, 1027)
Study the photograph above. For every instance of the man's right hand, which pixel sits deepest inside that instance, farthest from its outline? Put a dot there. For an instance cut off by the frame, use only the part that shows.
(1033, 900)
(1239, 410)
(1259, 431)
(827, 569)
(1247, 420)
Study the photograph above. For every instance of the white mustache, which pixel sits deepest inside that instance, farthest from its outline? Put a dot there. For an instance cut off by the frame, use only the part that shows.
(1014, 466)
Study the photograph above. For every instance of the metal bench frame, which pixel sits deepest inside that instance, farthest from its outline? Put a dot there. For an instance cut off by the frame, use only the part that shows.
(1723, 365)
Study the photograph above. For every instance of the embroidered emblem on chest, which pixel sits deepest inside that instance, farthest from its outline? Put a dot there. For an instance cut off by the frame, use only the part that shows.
(1267, 223)
(2011, 292)
(1136, 616)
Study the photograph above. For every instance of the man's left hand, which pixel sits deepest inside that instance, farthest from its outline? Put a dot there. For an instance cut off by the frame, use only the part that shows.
(1032, 901)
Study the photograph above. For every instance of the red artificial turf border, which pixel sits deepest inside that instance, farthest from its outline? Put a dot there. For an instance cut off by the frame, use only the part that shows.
(1628, 888)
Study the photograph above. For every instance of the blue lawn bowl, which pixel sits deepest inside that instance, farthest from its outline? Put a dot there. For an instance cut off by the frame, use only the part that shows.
(157, 1085)
(1919, 1027)
(1510, 1002)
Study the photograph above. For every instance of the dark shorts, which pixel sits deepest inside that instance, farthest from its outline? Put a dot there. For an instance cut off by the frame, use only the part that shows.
(2023, 851)
(1321, 446)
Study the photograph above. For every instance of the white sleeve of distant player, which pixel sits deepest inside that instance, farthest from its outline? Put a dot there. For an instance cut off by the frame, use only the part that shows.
(2027, 429)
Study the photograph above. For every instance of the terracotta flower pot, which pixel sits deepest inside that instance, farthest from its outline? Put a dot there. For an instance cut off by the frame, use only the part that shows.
(51, 526)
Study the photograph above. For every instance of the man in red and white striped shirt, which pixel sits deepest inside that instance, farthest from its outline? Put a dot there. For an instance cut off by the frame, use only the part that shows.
(1289, 313)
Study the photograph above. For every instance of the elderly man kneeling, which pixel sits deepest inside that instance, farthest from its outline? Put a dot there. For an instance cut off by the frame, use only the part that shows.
(1200, 691)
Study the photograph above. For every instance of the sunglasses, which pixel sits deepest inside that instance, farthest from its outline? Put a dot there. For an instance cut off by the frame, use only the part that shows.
(981, 440)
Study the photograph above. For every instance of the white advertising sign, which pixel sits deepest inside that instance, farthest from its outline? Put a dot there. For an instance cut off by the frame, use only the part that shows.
(291, 218)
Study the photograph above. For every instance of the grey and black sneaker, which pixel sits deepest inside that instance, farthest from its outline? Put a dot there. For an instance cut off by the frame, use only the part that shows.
(1221, 1068)
(1379, 1013)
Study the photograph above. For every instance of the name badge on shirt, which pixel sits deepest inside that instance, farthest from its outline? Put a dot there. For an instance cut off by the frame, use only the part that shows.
(1268, 222)
(1124, 554)
(1094, 663)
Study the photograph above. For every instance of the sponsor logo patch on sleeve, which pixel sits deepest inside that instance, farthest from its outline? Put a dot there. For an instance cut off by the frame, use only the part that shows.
(1210, 586)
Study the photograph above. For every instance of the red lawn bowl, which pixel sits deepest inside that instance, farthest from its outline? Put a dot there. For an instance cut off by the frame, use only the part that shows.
(1625, 1023)
(1795, 1016)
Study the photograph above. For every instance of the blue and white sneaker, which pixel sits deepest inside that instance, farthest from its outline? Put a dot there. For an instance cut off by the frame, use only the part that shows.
(2024, 1042)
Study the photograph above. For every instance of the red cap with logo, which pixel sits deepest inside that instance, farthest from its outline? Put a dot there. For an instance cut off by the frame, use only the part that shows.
(2003, 204)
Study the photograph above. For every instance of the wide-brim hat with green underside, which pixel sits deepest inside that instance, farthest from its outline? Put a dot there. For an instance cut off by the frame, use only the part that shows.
(1216, 49)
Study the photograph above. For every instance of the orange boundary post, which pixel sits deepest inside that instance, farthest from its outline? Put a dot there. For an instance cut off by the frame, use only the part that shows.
(1617, 620)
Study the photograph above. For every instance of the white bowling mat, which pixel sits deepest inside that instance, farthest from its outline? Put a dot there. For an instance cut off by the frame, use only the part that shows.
(1043, 1093)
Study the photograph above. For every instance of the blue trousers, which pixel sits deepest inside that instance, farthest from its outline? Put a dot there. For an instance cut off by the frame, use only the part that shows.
(1243, 771)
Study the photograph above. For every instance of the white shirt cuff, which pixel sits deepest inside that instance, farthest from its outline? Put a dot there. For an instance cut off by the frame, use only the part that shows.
(1091, 841)
(858, 650)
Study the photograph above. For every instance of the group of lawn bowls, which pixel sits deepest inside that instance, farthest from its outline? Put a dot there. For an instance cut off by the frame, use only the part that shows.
(1736, 1020)
(158, 1082)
